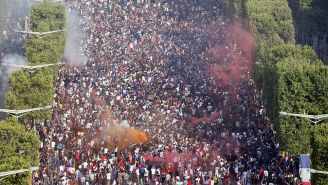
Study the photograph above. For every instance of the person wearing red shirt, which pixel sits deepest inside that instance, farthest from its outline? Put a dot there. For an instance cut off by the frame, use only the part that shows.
(121, 164)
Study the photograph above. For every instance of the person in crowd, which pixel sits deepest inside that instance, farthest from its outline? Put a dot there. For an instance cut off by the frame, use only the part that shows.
(174, 70)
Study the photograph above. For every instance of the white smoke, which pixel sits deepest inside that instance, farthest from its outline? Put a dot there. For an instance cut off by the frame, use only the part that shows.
(74, 52)
(5, 71)
(13, 59)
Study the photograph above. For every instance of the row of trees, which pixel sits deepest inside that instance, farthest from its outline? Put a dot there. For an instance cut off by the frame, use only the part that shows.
(292, 78)
(19, 148)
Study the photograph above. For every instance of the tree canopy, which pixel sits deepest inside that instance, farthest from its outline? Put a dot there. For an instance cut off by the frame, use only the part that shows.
(18, 150)
(294, 80)
(301, 86)
(47, 16)
(270, 21)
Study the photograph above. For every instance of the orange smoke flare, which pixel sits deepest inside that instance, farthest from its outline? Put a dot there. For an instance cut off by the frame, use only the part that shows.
(138, 136)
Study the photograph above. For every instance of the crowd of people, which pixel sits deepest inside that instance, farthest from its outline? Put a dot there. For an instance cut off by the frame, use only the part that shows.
(173, 70)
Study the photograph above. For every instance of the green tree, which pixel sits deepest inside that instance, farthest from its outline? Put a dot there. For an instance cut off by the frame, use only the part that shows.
(46, 50)
(266, 71)
(271, 22)
(301, 85)
(292, 77)
(18, 150)
(47, 16)
(28, 90)
(319, 144)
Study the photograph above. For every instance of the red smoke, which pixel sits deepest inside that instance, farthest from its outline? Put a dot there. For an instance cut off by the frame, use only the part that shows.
(231, 59)
(214, 116)
(170, 157)
(245, 41)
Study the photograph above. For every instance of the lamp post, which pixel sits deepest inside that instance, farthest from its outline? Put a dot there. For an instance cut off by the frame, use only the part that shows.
(312, 118)
(19, 113)
(7, 173)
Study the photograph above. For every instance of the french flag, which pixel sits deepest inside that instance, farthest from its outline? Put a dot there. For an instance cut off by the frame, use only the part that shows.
(305, 169)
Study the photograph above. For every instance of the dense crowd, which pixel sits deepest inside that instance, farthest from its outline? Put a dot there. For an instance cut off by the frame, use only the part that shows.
(174, 70)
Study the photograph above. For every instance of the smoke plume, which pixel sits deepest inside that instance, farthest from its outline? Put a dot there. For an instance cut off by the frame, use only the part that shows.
(75, 35)
(118, 133)
(13, 59)
(122, 136)
(5, 72)
(231, 59)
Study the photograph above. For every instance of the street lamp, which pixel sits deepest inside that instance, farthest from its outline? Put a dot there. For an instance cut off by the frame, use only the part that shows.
(7, 173)
(31, 69)
(19, 113)
(312, 118)
(40, 34)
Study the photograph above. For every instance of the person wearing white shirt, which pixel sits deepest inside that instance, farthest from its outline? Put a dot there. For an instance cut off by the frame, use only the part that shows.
(146, 174)
(131, 168)
(138, 175)
(153, 172)
(266, 173)
(197, 180)
(105, 150)
(108, 177)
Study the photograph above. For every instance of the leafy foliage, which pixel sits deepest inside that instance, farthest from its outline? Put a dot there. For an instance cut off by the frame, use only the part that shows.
(28, 90)
(293, 79)
(17, 150)
(319, 155)
(301, 85)
(46, 50)
(268, 61)
(271, 22)
(47, 16)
